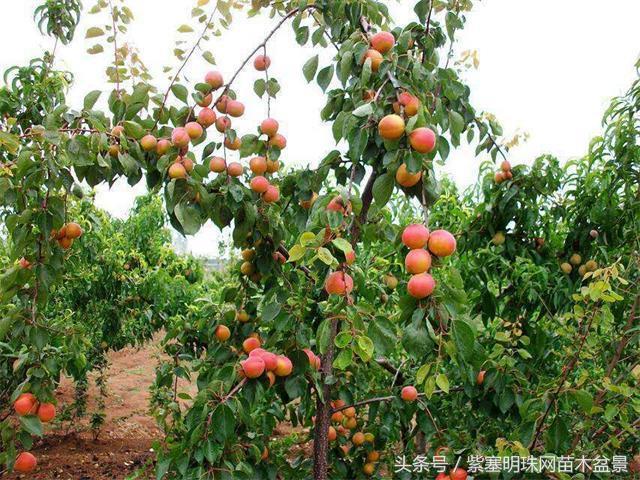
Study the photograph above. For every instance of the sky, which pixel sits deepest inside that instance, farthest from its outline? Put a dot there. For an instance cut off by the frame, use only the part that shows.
(547, 68)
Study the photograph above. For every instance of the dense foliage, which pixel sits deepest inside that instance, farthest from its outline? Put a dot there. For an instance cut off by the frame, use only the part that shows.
(524, 345)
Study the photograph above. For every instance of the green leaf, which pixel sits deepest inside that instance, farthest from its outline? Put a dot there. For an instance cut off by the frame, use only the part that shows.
(383, 188)
(343, 339)
(366, 347)
(324, 77)
(134, 130)
(310, 67)
(180, 91)
(91, 98)
(342, 245)
(464, 338)
(260, 86)
(325, 256)
(270, 311)
(422, 373)
(185, 28)
(322, 335)
(296, 253)
(94, 32)
(97, 48)
(343, 360)
(584, 399)
(363, 110)
(443, 382)
(32, 424)
(225, 422)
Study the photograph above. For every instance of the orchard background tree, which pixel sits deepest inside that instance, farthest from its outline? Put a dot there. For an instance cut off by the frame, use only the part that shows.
(373, 306)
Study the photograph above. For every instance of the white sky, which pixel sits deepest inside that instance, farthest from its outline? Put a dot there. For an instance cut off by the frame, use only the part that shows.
(547, 67)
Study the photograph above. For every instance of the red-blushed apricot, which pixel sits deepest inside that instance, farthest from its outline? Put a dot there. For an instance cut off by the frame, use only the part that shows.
(273, 166)
(261, 62)
(383, 42)
(24, 263)
(442, 476)
(368, 469)
(222, 102)
(270, 359)
(421, 285)
(117, 131)
(269, 127)
(405, 178)
(368, 95)
(253, 367)
(222, 333)
(73, 230)
(250, 343)
(307, 204)
(148, 143)
(279, 258)
(194, 130)
(206, 117)
(415, 236)
(205, 101)
(376, 59)
(26, 404)
(350, 257)
(180, 137)
(258, 165)
(505, 166)
(284, 367)
(278, 141)
(46, 412)
(337, 417)
(272, 378)
(163, 146)
(417, 261)
(422, 140)
(248, 254)
(265, 454)
(442, 243)
(272, 194)
(259, 184)
(242, 316)
(25, 463)
(458, 473)
(233, 145)
(337, 205)
(391, 127)
(214, 79)
(410, 103)
(480, 377)
(332, 434)
(187, 163)
(217, 164)
(65, 243)
(114, 150)
(594, 234)
(223, 124)
(177, 170)
(373, 456)
(508, 175)
(338, 283)
(235, 108)
(409, 394)
(350, 412)
(351, 423)
(313, 359)
(338, 403)
(357, 439)
(499, 177)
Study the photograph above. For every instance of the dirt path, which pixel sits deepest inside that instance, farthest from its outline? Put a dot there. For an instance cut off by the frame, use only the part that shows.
(125, 441)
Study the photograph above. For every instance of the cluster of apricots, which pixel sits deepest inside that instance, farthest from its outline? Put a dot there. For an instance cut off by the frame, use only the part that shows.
(456, 473)
(423, 244)
(504, 173)
(380, 43)
(576, 261)
(67, 234)
(27, 405)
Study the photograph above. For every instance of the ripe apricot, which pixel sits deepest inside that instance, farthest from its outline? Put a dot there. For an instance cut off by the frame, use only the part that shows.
(405, 178)
(566, 267)
(233, 145)
(499, 177)
(442, 243)
(417, 261)
(117, 131)
(248, 254)
(205, 101)
(270, 359)
(373, 456)
(46, 412)
(591, 265)
(223, 124)
(307, 204)
(273, 166)
(338, 283)
(575, 259)
(357, 439)
(148, 143)
(332, 434)
(247, 268)
(458, 474)
(65, 243)
(180, 137)
(259, 184)
(391, 127)
(422, 140)
(278, 141)
(222, 333)
(163, 146)
(194, 130)
(252, 367)
(25, 463)
(206, 117)
(368, 469)
(234, 169)
(73, 230)
(214, 79)
(261, 63)
(114, 150)
(250, 343)
(242, 316)
(272, 194)
(269, 127)
(350, 257)
(376, 59)
(284, 367)
(177, 170)
(480, 377)
(258, 165)
(415, 236)
(235, 108)
(421, 285)
(217, 164)
(383, 41)
(505, 166)
(409, 393)
(26, 404)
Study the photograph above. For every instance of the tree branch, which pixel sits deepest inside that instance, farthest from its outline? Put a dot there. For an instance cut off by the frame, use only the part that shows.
(389, 398)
